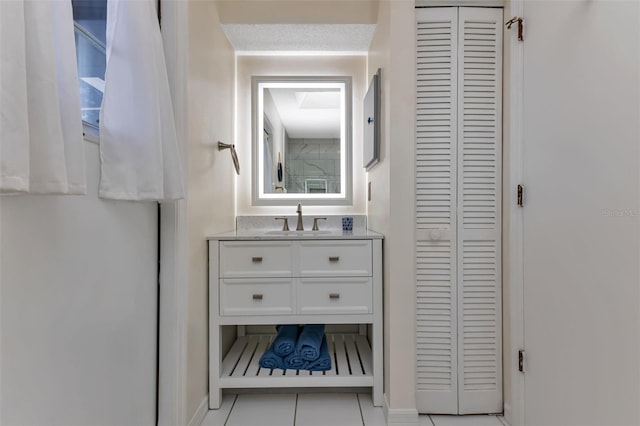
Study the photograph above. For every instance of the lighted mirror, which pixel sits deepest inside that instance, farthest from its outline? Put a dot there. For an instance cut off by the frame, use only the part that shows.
(301, 140)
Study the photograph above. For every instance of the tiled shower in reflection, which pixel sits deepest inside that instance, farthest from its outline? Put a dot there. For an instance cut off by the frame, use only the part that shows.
(313, 166)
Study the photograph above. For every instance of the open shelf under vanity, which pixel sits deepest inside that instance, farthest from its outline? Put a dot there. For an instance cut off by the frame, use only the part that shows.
(351, 365)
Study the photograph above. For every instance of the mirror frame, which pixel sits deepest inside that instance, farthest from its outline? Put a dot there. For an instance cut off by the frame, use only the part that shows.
(258, 196)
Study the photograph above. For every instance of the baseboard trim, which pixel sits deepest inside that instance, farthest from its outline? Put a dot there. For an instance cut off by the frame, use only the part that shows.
(507, 413)
(201, 412)
(399, 416)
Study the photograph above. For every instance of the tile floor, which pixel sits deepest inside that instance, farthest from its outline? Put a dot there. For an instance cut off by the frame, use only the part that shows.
(320, 409)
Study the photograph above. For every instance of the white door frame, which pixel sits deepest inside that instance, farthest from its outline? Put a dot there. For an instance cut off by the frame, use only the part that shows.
(173, 304)
(514, 413)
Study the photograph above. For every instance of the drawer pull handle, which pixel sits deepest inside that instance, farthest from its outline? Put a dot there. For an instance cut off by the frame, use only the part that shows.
(334, 258)
(256, 259)
(257, 297)
(334, 296)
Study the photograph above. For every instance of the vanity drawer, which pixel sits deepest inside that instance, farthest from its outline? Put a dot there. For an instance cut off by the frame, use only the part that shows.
(256, 296)
(335, 296)
(243, 259)
(350, 258)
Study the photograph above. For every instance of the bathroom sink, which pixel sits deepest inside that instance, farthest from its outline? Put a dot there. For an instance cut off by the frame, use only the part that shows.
(297, 233)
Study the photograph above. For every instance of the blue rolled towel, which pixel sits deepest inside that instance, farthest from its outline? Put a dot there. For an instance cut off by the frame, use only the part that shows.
(294, 361)
(323, 363)
(309, 341)
(285, 341)
(270, 360)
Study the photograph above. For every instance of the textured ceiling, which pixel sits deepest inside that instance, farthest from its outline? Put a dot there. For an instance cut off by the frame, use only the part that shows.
(299, 37)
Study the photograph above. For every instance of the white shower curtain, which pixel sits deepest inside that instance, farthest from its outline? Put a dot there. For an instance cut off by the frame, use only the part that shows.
(138, 143)
(41, 144)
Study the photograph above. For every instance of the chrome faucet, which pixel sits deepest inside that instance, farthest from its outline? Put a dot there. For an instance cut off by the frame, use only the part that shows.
(299, 226)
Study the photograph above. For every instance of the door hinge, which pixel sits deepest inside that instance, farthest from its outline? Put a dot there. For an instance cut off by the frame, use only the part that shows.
(520, 199)
(519, 20)
(521, 360)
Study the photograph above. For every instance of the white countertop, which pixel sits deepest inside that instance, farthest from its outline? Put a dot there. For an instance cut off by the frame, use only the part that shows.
(272, 234)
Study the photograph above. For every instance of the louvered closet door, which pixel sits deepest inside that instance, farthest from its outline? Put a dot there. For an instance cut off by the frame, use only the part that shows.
(458, 157)
(479, 221)
(436, 186)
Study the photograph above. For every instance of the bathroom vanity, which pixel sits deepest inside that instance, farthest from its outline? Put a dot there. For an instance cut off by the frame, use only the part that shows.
(310, 277)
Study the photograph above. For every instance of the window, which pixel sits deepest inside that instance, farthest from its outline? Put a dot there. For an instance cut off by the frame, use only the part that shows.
(90, 21)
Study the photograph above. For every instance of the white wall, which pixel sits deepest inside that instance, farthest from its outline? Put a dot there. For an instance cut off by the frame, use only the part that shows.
(391, 210)
(248, 66)
(78, 283)
(379, 208)
(211, 177)
(581, 213)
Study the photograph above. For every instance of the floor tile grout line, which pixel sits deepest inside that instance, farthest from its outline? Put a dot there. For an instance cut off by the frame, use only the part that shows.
(233, 404)
(295, 411)
(431, 420)
(360, 408)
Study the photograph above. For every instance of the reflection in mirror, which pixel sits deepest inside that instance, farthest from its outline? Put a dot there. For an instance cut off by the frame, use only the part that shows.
(302, 128)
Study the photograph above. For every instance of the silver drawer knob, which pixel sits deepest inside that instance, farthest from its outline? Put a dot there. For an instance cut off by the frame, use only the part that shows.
(334, 296)
(257, 297)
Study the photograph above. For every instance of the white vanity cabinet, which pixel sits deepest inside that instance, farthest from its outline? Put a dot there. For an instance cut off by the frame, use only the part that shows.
(333, 279)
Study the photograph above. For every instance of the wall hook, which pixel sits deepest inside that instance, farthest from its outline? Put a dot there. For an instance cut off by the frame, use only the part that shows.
(234, 156)
(519, 20)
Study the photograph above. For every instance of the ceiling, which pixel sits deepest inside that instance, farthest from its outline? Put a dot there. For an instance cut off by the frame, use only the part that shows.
(304, 38)
(298, 11)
